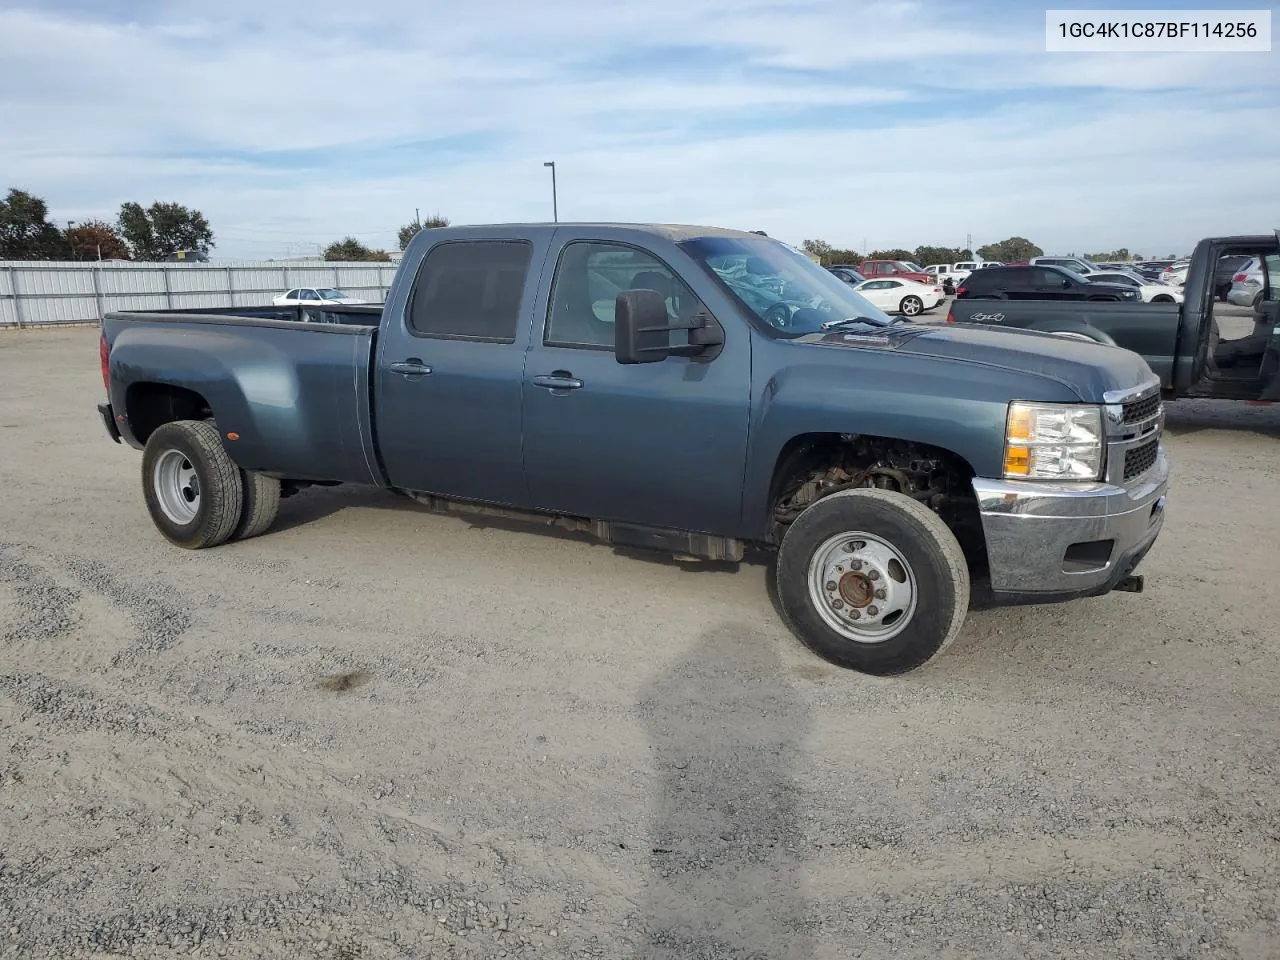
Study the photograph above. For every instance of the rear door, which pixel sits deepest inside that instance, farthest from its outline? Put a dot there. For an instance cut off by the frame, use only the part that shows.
(450, 367)
(657, 444)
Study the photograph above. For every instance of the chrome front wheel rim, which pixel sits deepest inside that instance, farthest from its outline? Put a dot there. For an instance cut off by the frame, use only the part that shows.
(176, 486)
(863, 587)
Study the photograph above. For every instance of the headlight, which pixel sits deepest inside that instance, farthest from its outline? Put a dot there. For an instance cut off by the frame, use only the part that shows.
(1053, 441)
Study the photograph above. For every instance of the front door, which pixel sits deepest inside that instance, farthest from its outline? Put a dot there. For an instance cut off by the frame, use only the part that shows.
(450, 367)
(659, 444)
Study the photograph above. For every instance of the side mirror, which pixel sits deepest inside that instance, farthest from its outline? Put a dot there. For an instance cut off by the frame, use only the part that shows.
(1066, 284)
(641, 331)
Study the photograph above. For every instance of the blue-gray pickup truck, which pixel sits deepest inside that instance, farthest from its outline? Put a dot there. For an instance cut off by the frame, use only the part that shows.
(688, 389)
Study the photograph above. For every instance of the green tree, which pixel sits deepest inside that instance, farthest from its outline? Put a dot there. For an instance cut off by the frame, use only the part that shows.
(416, 226)
(1111, 256)
(160, 229)
(816, 248)
(349, 248)
(897, 253)
(95, 240)
(25, 230)
(927, 256)
(1013, 250)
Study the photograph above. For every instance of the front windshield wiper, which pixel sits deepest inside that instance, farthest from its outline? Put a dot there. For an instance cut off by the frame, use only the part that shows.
(853, 321)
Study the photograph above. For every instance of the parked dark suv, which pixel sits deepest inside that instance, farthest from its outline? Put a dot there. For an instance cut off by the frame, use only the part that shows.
(1038, 283)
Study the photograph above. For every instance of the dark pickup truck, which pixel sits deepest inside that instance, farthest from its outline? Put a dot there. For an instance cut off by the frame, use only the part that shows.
(1181, 344)
(686, 389)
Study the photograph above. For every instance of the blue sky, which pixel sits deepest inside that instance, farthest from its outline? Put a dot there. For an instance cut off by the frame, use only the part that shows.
(895, 123)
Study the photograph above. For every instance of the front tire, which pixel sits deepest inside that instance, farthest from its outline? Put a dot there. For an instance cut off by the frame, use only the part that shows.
(872, 580)
(911, 306)
(192, 488)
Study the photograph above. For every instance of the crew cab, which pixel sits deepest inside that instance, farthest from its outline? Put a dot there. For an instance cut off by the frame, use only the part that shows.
(1043, 282)
(686, 389)
(1181, 343)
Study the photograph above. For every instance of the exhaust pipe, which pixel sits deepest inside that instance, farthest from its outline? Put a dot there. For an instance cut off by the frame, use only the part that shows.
(1130, 584)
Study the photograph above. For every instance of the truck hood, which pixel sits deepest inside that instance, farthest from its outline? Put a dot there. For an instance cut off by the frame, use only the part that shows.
(1088, 368)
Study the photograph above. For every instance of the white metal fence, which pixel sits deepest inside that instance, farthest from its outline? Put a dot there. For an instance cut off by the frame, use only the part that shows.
(33, 293)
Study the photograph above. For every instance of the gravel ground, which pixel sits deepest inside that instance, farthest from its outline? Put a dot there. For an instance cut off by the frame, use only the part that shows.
(377, 732)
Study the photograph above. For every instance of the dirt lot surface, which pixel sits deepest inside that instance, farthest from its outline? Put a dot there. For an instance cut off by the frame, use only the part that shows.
(377, 732)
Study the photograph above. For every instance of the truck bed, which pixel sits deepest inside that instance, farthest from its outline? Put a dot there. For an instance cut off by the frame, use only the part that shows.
(270, 372)
(1149, 329)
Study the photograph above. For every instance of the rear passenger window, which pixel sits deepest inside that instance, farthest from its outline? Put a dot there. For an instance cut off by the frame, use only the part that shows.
(471, 290)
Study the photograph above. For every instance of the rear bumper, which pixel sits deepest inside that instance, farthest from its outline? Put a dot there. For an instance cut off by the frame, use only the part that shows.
(1048, 542)
(109, 421)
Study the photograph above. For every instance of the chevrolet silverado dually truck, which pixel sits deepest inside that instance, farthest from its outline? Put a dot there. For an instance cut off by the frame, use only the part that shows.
(688, 389)
(1181, 343)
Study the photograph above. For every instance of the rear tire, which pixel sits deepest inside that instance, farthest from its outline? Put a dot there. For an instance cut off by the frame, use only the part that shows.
(863, 540)
(911, 306)
(192, 488)
(259, 505)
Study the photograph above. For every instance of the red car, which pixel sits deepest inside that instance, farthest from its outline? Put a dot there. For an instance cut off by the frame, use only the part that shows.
(902, 269)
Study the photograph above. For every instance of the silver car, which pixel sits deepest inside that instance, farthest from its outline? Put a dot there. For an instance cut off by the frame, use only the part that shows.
(1248, 282)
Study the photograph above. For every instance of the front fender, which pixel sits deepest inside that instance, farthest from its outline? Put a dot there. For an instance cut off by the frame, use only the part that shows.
(911, 398)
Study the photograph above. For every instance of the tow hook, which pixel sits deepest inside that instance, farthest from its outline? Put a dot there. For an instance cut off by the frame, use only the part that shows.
(1130, 584)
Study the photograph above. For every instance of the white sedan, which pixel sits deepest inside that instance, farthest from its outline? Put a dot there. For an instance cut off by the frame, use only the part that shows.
(1150, 292)
(314, 297)
(900, 296)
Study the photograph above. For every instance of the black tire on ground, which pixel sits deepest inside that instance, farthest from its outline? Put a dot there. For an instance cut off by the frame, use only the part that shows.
(911, 306)
(933, 555)
(192, 448)
(1161, 298)
(258, 506)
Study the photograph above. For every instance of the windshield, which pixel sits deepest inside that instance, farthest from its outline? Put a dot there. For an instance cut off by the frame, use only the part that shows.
(783, 288)
(330, 293)
(911, 265)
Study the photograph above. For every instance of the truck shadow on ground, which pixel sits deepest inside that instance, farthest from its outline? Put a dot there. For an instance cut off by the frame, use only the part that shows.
(1188, 417)
(726, 726)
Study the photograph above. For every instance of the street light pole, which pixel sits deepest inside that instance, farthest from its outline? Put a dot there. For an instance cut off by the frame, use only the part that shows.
(71, 243)
(555, 204)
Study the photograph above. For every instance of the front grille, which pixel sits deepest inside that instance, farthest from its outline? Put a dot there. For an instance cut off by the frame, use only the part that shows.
(1139, 460)
(1138, 410)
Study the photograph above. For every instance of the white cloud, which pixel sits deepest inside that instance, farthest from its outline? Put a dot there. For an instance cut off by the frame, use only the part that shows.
(909, 123)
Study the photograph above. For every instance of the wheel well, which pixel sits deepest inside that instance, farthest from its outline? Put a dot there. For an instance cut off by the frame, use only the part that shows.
(150, 405)
(814, 465)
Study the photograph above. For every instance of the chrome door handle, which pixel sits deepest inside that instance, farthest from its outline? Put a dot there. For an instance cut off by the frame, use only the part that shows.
(558, 381)
(413, 367)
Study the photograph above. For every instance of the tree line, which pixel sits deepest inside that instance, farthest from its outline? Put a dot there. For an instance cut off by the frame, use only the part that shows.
(349, 248)
(1012, 250)
(138, 233)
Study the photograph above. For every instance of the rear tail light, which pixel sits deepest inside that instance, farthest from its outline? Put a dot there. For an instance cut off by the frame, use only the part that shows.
(104, 355)
(1240, 278)
(961, 291)
(951, 315)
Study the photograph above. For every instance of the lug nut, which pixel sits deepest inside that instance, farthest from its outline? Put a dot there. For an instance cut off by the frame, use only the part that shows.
(881, 593)
(855, 565)
(837, 604)
(872, 610)
(855, 614)
(831, 585)
(873, 575)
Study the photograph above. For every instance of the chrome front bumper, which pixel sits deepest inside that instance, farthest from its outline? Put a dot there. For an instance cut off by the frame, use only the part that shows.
(1058, 541)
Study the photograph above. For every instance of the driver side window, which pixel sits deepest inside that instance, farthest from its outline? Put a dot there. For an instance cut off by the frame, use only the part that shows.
(588, 279)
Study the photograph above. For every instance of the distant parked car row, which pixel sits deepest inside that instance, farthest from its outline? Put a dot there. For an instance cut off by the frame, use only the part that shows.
(895, 286)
